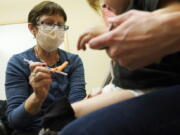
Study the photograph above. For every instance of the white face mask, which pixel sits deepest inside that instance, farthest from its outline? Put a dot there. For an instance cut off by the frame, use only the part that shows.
(49, 40)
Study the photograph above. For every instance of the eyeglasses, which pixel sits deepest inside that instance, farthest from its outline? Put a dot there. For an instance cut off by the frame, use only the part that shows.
(50, 26)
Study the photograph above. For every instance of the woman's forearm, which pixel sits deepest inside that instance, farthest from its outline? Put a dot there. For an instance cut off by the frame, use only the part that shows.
(92, 104)
(33, 104)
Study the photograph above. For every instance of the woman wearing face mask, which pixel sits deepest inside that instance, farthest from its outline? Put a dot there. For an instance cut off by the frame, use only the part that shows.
(30, 89)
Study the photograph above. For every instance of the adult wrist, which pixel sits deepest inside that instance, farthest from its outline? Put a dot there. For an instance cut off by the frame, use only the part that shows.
(33, 104)
(172, 26)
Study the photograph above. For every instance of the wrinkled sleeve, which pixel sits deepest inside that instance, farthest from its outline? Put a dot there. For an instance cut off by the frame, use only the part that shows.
(151, 5)
(77, 81)
(146, 5)
(16, 87)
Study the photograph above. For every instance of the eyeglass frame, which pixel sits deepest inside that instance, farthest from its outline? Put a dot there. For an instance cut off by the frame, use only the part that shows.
(60, 26)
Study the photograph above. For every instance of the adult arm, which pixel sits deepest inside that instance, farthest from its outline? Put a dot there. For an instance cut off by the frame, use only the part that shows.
(39, 79)
(141, 38)
(17, 93)
(90, 34)
(76, 80)
(86, 106)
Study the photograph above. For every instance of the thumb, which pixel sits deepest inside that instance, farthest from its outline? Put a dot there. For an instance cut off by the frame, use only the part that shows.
(101, 42)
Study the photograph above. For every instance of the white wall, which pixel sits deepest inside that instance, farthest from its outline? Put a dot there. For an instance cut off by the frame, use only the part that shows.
(14, 39)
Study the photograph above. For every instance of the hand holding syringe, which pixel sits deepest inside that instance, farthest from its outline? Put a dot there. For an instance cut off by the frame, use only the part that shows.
(54, 70)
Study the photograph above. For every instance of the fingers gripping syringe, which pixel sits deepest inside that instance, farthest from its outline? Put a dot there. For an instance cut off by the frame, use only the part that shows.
(54, 70)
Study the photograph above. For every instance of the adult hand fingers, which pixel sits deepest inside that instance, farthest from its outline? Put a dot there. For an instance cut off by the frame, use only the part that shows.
(89, 34)
(35, 64)
(118, 20)
(39, 74)
(36, 77)
(42, 83)
(41, 88)
(79, 41)
(107, 39)
(83, 40)
(102, 41)
(41, 69)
